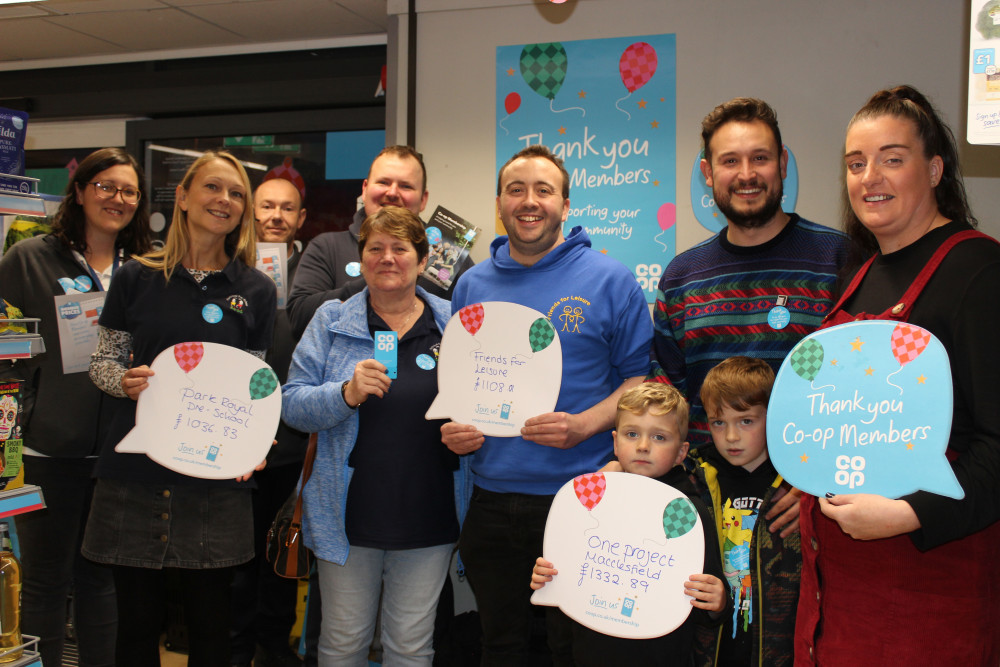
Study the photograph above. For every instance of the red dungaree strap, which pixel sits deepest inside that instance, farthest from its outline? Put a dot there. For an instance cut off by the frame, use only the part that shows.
(905, 304)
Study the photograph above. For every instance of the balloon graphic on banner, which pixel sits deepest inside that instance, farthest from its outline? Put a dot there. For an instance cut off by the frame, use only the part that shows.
(807, 359)
(543, 67)
(679, 517)
(589, 489)
(188, 355)
(512, 103)
(623, 544)
(636, 67)
(666, 217)
(496, 373)
(472, 317)
(263, 383)
(908, 342)
(541, 334)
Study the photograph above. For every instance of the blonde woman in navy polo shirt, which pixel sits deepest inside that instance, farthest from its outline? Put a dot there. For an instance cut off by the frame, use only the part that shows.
(146, 519)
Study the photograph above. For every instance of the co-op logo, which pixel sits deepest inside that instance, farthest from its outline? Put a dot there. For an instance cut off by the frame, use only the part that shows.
(849, 471)
(648, 276)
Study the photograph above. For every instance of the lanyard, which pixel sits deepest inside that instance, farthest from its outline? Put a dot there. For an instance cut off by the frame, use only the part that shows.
(93, 274)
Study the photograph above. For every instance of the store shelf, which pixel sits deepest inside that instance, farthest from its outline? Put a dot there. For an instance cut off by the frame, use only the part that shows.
(21, 345)
(30, 658)
(25, 499)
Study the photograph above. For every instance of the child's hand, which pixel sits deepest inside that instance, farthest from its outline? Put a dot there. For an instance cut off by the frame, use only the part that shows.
(612, 466)
(706, 592)
(542, 573)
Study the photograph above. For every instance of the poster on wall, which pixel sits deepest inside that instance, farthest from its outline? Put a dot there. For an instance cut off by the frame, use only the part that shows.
(608, 108)
(984, 72)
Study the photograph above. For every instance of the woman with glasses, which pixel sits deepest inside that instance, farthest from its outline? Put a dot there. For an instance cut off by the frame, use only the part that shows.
(103, 220)
(147, 521)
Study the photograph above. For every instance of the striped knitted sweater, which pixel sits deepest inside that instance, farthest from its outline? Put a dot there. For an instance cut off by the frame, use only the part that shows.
(713, 303)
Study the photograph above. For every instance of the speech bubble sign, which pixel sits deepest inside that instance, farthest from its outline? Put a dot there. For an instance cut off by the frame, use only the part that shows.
(864, 407)
(210, 411)
(624, 545)
(500, 364)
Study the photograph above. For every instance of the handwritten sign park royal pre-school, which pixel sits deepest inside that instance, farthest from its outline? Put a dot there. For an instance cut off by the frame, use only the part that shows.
(210, 411)
(500, 364)
(864, 407)
(624, 545)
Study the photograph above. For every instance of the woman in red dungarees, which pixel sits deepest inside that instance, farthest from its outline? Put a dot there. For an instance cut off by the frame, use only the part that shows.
(914, 581)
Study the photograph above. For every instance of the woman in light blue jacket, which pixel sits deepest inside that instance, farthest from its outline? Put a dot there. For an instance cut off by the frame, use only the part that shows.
(385, 500)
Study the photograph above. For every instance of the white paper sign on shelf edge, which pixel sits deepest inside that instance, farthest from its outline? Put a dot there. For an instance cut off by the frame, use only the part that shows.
(500, 364)
(210, 411)
(624, 545)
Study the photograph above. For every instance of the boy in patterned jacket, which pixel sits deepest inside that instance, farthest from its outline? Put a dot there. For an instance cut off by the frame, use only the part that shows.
(739, 484)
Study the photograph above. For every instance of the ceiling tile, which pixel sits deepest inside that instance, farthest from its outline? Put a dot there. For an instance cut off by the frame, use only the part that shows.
(282, 20)
(21, 11)
(150, 30)
(91, 6)
(30, 39)
(373, 10)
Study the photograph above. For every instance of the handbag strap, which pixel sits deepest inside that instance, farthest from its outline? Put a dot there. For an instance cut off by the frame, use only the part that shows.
(307, 468)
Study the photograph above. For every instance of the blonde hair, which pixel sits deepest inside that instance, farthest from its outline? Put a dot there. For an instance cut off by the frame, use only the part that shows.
(657, 399)
(241, 243)
(737, 382)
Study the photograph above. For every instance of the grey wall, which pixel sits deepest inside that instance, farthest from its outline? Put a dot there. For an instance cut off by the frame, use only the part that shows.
(815, 62)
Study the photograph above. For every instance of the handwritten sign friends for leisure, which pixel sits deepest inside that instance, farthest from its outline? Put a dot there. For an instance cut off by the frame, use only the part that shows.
(624, 545)
(210, 411)
(500, 364)
(864, 407)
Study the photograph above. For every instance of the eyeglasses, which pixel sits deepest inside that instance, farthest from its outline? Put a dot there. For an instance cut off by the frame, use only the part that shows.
(108, 190)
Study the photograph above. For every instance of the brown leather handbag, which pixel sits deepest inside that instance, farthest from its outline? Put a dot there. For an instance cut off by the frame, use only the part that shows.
(285, 549)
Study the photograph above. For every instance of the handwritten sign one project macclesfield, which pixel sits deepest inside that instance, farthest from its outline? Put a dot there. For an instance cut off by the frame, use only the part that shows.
(864, 407)
(210, 411)
(624, 545)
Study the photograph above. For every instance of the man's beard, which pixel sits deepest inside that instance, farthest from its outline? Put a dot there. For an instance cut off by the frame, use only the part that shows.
(750, 219)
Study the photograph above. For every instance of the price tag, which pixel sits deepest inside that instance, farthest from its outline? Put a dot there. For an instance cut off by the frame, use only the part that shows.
(386, 343)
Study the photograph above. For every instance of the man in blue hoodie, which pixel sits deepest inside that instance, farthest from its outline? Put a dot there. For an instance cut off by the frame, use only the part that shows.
(605, 331)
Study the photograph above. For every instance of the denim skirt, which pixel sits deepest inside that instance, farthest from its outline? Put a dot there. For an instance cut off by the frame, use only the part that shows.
(140, 524)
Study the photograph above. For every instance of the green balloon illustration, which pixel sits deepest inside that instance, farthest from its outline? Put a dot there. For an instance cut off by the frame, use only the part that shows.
(543, 67)
(263, 383)
(807, 359)
(541, 334)
(679, 517)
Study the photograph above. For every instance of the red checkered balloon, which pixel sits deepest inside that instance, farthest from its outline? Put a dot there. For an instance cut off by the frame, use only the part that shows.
(637, 65)
(908, 342)
(472, 317)
(589, 489)
(188, 355)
